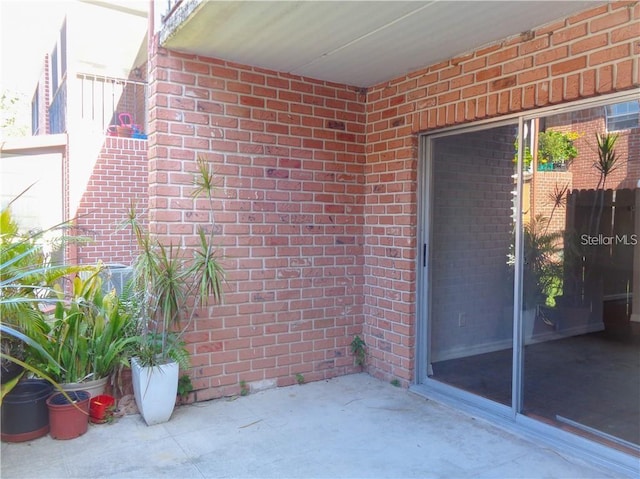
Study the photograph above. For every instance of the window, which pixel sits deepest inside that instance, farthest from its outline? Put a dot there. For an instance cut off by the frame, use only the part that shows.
(35, 112)
(54, 70)
(623, 116)
(63, 49)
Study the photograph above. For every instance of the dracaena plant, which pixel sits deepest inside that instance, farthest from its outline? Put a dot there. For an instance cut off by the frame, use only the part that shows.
(170, 281)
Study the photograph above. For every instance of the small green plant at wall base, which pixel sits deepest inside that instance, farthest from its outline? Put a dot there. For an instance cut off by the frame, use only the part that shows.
(299, 378)
(395, 382)
(244, 389)
(185, 386)
(358, 349)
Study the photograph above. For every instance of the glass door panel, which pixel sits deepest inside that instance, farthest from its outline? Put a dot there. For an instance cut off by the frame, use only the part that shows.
(471, 278)
(580, 235)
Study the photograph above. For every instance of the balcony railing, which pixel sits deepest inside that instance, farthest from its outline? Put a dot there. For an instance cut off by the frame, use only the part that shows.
(167, 7)
(107, 102)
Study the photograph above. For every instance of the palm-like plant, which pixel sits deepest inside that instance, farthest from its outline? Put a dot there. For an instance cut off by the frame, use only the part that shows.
(26, 290)
(542, 262)
(61, 335)
(89, 334)
(605, 165)
(169, 280)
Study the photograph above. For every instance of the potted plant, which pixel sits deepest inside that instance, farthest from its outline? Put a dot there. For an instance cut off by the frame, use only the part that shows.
(556, 150)
(27, 276)
(542, 273)
(68, 414)
(167, 281)
(25, 286)
(89, 335)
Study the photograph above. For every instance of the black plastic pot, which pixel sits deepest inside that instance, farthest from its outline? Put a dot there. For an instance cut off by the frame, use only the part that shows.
(9, 372)
(25, 415)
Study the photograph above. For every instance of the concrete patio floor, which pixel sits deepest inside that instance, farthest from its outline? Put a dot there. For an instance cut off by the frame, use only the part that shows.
(349, 427)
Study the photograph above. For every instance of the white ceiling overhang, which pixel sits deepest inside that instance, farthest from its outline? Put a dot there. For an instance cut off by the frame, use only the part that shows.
(350, 42)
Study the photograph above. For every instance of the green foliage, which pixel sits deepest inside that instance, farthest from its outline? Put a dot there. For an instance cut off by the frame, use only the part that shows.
(244, 389)
(300, 379)
(542, 262)
(169, 280)
(185, 386)
(607, 155)
(554, 148)
(11, 123)
(358, 349)
(44, 329)
(606, 164)
(89, 335)
(526, 156)
(395, 383)
(557, 147)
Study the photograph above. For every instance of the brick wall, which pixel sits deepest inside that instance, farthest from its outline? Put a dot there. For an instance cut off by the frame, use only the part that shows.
(120, 175)
(289, 213)
(317, 206)
(589, 54)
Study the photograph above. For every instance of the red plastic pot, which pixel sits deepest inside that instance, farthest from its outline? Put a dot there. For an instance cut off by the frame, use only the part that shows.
(101, 408)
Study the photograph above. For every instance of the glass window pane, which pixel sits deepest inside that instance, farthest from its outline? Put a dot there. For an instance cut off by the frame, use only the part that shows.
(471, 292)
(581, 235)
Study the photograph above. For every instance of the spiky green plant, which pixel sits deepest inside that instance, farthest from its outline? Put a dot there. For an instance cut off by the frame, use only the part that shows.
(171, 281)
(605, 165)
(89, 335)
(542, 262)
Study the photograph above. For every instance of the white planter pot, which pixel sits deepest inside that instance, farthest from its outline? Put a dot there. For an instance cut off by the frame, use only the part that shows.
(155, 389)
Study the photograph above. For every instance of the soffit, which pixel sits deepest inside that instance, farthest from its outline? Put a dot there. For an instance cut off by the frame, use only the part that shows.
(351, 42)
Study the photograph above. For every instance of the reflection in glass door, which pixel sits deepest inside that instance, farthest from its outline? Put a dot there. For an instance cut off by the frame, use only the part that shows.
(471, 278)
(580, 235)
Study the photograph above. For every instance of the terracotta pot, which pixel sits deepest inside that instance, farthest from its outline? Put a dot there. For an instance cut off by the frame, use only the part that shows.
(101, 408)
(24, 411)
(68, 420)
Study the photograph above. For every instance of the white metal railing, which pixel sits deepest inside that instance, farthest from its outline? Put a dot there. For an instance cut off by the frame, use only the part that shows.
(106, 101)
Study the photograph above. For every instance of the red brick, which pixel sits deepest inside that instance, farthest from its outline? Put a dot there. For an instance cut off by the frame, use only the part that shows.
(591, 42)
(624, 75)
(617, 17)
(609, 54)
(569, 66)
(503, 55)
(567, 34)
(551, 55)
(604, 79)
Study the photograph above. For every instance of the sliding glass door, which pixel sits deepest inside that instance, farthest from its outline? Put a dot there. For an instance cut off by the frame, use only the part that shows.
(530, 280)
